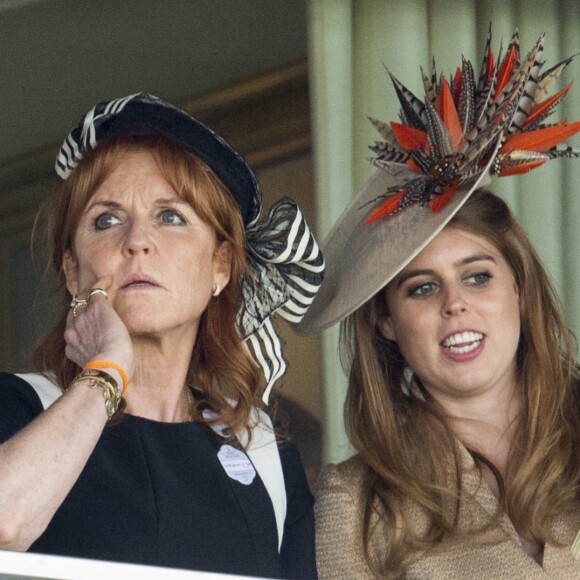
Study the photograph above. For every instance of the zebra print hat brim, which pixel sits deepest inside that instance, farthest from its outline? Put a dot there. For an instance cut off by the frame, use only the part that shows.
(285, 262)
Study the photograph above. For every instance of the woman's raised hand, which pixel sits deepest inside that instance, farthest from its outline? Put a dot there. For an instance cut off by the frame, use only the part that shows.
(96, 332)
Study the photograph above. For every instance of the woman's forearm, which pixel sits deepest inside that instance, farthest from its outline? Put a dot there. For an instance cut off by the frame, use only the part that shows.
(40, 464)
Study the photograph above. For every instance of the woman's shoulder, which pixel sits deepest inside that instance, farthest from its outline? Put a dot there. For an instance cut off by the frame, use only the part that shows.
(340, 483)
(24, 387)
(338, 511)
(19, 403)
(349, 473)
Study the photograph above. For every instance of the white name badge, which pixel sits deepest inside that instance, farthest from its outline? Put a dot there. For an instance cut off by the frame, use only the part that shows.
(236, 464)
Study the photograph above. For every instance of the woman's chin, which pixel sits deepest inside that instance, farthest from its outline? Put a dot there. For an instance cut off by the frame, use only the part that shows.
(156, 320)
(153, 327)
(142, 324)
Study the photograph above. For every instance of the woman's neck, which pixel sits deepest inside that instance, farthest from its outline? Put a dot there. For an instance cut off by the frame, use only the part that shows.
(157, 390)
(486, 424)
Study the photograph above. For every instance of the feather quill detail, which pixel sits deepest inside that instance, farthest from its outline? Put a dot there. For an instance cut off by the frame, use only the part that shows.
(521, 168)
(445, 107)
(430, 92)
(411, 107)
(385, 208)
(385, 152)
(563, 151)
(544, 108)
(384, 130)
(440, 143)
(540, 140)
(408, 137)
(465, 127)
(466, 98)
(439, 202)
(487, 66)
(526, 101)
(509, 63)
(549, 78)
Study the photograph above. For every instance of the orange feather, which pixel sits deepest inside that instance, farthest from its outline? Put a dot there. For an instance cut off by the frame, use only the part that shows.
(540, 140)
(385, 208)
(505, 70)
(490, 66)
(541, 107)
(457, 85)
(438, 203)
(413, 166)
(522, 168)
(408, 137)
(448, 113)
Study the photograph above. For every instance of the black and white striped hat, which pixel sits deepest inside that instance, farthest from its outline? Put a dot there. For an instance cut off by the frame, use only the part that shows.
(286, 263)
(146, 114)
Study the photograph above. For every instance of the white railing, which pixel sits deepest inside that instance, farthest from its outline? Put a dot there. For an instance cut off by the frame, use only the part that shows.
(19, 566)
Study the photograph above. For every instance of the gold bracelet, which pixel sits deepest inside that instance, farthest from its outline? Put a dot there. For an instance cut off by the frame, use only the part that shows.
(100, 379)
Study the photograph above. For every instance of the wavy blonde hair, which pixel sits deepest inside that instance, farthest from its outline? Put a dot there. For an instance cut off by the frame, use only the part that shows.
(400, 433)
(220, 364)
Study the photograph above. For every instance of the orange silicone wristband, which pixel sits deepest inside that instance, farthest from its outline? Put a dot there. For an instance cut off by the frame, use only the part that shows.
(105, 364)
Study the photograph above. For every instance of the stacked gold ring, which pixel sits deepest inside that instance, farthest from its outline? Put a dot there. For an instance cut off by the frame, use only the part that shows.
(77, 303)
(98, 291)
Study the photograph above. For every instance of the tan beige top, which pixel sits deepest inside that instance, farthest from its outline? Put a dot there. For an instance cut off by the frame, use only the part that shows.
(339, 537)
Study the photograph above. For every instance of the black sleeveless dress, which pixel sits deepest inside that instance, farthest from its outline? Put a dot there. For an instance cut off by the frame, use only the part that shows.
(157, 493)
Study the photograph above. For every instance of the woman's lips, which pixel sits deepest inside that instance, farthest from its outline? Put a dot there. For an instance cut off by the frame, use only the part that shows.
(139, 285)
(139, 281)
(463, 346)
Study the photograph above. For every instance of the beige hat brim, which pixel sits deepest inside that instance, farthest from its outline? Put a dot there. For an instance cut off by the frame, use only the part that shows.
(361, 259)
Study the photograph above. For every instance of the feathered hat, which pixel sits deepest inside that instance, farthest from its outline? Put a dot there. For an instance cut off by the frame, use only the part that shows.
(466, 130)
(285, 263)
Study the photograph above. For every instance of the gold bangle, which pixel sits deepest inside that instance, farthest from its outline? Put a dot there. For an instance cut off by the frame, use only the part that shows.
(104, 364)
(100, 379)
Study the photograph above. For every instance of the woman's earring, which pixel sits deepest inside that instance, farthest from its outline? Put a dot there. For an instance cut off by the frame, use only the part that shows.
(216, 290)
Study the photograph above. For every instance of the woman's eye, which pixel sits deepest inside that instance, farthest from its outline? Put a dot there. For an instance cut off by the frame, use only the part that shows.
(172, 217)
(421, 290)
(104, 221)
(478, 279)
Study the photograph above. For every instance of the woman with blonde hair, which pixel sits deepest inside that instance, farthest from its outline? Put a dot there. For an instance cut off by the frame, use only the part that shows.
(463, 399)
(142, 438)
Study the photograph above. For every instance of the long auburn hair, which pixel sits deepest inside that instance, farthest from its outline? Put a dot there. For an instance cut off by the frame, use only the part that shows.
(220, 366)
(401, 435)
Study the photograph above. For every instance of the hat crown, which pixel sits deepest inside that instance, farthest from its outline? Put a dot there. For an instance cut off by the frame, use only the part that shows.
(143, 113)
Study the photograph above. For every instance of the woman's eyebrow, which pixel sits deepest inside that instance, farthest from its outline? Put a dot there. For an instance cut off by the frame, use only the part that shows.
(428, 272)
(171, 201)
(476, 258)
(412, 273)
(105, 203)
(115, 205)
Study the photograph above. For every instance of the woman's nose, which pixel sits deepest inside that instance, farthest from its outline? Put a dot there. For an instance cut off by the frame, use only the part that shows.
(454, 302)
(137, 239)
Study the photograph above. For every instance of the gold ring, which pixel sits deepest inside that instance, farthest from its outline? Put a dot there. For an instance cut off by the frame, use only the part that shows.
(77, 303)
(98, 291)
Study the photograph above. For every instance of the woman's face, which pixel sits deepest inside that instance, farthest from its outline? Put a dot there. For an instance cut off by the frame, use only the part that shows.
(454, 314)
(163, 260)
